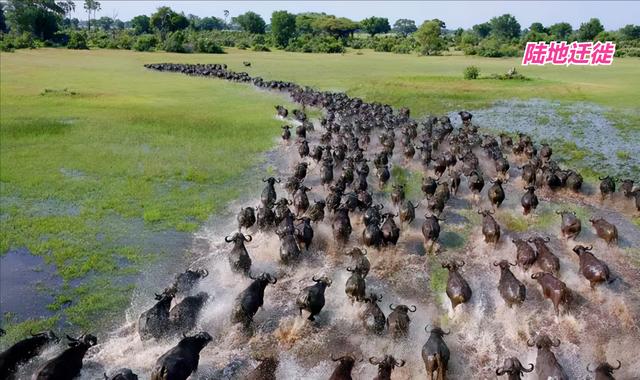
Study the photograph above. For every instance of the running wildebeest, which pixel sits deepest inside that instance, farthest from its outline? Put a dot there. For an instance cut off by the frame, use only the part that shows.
(398, 321)
(239, 259)
(182, 360)
(592, 268)
(246, 218)
(373, 318)
(185, 281)
(389, 228)
(525, 255)
(605, 230)
(184, 316)
(490, 228)
(546, 260)
(68, 364)
(248, 302)
(359, 260)
(341, 225)
(266, 370)
(458, 290)
(435, 354)
(604, 371)
(355, 286)
(571, 225)
(513, 368)
(304, 232)
(344, 368)
(408, 211)
(553, 289)
(431, 229)
(316, 211)
(385, 366)
(510, 288)
(23, 351)
(122, 374)
(496, 193)
(268, 196)
(627, 187)
(607, 186)
(529, 200)
(311, 298)
(154, 323)
(547, 366)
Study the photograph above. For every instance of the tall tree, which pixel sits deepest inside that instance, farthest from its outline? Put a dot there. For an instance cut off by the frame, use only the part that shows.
(404, 26)
(561, 31)
(283, 27)
(165, 20)
(630, 32)
(91, 6)
(340, 27)
(141, 24)
(38, 17)
(3, 24)
(505, 27)
(538, 28)
(482, 30)
(226, 15)
(375, 25)
(429, 37)
(590, 29)
(251, 22)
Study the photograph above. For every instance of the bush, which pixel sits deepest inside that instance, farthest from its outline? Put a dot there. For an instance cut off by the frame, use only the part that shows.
(260, 47)
(121, 41)
(316, 44)
(175, 43)
(145, 42)
(243, 45)
(78, 41)
(471, 72)
(207, 45)
(11, 41)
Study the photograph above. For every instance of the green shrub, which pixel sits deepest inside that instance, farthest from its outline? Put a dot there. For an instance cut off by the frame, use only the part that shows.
(207, 45)
(10, 41)
(243, 45)
(175, 43)
(78, 41)
(471, 72)
(316, 44)
(260, 47)
(145, 42)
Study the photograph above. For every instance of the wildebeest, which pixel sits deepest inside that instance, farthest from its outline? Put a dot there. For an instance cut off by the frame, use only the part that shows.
(372, 235)
(398, 321)
(389, 228)
(186, 280)
(248, 302)
(546, 260)
(429, 186)
(300, 199)
(490, 228)
(435, 354)
(122, 374)
(592, 268)
(571, 225)
(466, 117)
(182, 360)
(627, 187)
(373, 318)
(458, 290)
(529, 200)
(397, 194)
(286, 132)
(407, 211)
(289, 249)
(607, 186)
(454, 181)
(574, 181)
(359, 260)
(246, 218)
(344, 368)
(513, 368)
(476, 182)
(265, 218)
(268, 196)
(525, 255)
(300, 171)
(604, 371)
(502, 167)
(510, 288)
(372, 214)
(23, 351)
(385, 366)
(68, 364)
(282, 112)
(266, 370)
(341, 225)
(547, 366)
(605, 230)
(355, 286)
(496, 193)
(553, 289)
(431, 229)
(304, 232)
(316, 211)
(311, 298)
(239, 258)
(154, 323)
(184, 316)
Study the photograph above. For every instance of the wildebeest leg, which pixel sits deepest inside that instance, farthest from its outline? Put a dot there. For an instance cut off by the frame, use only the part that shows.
(439, 369)
(301, 312)
(311, 318)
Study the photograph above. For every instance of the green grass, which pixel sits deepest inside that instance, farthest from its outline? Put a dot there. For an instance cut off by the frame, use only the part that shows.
(122, 154)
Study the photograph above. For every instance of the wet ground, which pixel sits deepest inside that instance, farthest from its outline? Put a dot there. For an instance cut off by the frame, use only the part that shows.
(601, 324)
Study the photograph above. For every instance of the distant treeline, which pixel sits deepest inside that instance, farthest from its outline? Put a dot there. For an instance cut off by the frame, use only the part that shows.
(35, 23)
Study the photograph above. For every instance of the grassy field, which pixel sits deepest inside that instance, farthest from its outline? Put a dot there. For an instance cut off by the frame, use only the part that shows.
(99, 155)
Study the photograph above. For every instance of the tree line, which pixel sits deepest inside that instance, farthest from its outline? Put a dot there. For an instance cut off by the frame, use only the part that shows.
(33, 23)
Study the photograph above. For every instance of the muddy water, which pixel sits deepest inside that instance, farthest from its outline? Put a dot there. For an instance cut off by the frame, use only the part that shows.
(599, 325)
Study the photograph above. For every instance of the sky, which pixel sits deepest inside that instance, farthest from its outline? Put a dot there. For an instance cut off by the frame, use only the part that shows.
(464, 14)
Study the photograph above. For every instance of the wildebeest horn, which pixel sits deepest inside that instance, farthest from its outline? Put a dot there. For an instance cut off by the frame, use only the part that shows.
(278, 180)
(527, 370)
(264, 180)
(589, 249)
(364, 251)
(314, 279)
(495, 263)
(461, 263)
(619, 365)
(349, 269)
(426, 329)
(251, 277)
(373, 360)
(248, 238)
(547, 239)
(513, 265)
(400, 364)
(601, 178)
(528, 340)
(71, 339)
(204, 273)
(530, 240)
(556, 344)
(275, 280)
(479, 212)
(500, 371)
(535, 276)
(588, 370)
(31, 333)
(226, 238)
(414, 308)
(391, 307)
(335, 359)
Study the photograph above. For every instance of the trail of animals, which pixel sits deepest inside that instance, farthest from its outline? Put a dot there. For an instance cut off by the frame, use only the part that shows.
(334, 273)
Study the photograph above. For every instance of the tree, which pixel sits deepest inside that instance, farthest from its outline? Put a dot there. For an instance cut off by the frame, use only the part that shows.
(538, 28)
(251, 22)
(141, 24)
(91, 6)
(283, 27)
(630, 32)
(505, 27)
(304, 21)
(561, 31)
(482, 30)
(3, 24)
(375, 25)
(210, 23)
(226, 15)
(429, 37)
(40, 18)
(590, 29)
(340, 27)
(104, 23)
(165, 20)
(404, 26)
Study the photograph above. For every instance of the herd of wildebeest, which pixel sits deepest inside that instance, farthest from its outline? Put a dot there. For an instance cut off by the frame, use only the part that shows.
(345, 147)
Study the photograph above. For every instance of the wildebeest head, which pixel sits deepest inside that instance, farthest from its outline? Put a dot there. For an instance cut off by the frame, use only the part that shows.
(513, 366)
(238, 237)
(503, 264)
(388, 362)
(323, 280)
(199, 341)
(49, 336)
(403, 308)
(542, 341)
(265, 277)
(485, 212)
(605, 368)
(167, 295)
(86, 340)
(271, 180)
(373, 298)
(453, 265)
(539, 239)
(355, 252)
(346, 359)
(580, 249)
(436, 331)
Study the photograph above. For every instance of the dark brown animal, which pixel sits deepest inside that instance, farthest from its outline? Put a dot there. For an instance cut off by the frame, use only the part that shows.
(385, 366)
(513, 368)
(546, 261)
(458, 290)
(553, 289)
(435, 354)
(398, 321)
(511, 289)
(604, 371)
(547, 366)
(525, 255)
(490, 228)
(571, 225)
(605, 230)
(344, 368)
(593, 269)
